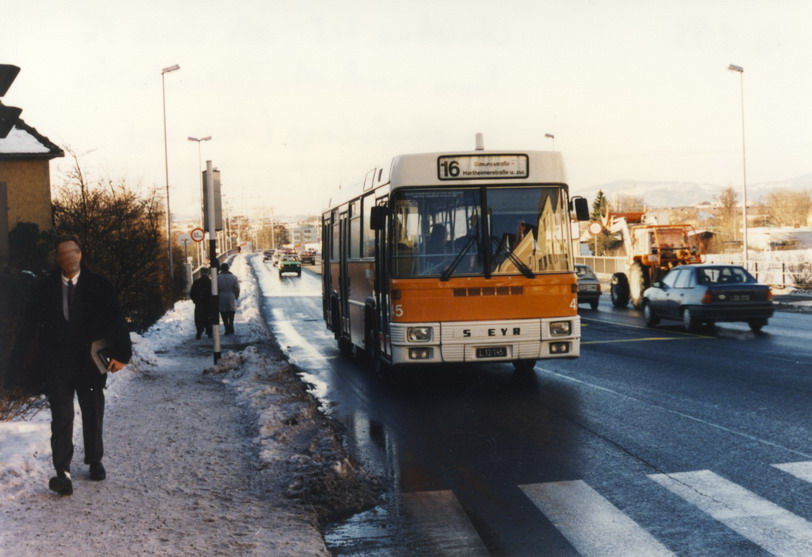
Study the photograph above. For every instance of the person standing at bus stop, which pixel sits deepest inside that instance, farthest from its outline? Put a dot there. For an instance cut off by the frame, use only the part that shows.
(228, 288)
(200, 294)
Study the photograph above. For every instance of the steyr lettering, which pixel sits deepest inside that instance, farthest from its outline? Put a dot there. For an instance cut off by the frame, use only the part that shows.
(504, 331)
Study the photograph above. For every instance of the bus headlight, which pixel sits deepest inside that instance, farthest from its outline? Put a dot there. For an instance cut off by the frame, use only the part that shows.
(418, 334)
(560, 328)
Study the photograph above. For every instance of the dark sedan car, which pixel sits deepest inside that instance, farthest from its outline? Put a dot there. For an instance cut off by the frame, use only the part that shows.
(696, 294)
(307, 257)
(589, 287)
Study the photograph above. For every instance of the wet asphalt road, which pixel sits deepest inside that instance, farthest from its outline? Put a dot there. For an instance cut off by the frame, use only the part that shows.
(654, 442)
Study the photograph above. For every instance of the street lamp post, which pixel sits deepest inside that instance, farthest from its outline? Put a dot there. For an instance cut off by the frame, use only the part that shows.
(199, 159)
(740, 70)
(550, 136)
(166, 166)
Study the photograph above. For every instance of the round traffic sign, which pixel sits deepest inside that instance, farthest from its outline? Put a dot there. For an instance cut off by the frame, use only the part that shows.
(198, 234)
(595, 228)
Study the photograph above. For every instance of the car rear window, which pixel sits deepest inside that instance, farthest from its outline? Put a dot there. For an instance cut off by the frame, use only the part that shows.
(724, 275)
(584, 272)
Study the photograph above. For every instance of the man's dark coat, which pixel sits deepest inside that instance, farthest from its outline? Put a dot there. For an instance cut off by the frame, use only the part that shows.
(61, 350)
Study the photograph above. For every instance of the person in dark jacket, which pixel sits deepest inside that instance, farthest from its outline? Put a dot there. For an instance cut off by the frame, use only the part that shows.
(70, 309)
(200, 294)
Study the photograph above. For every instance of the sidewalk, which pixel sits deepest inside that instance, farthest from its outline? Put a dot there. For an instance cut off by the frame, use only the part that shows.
(238, 460)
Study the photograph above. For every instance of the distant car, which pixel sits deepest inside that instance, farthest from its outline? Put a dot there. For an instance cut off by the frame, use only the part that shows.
(267, 255)
(589, 287)
(289, 263)
(697, 294)
(307, 257)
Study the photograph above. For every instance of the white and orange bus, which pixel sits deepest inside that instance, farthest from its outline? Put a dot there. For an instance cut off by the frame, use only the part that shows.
(455, 257)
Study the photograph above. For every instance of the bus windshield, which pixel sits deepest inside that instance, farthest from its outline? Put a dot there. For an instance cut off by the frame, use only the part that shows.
(442, 232)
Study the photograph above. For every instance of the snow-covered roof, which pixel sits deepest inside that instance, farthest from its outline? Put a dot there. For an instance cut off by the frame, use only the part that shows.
(25, 142)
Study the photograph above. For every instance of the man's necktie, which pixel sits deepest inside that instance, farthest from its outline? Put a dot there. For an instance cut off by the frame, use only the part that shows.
(71, 290)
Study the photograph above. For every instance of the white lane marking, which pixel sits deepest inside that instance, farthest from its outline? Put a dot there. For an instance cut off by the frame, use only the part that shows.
(442, 525)
(670, 411)
(593, 525)
(764, 523)
(801, 470)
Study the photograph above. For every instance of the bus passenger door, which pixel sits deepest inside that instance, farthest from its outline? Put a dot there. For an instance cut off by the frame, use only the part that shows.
(326, 268)
(343, 274)
(381, 266)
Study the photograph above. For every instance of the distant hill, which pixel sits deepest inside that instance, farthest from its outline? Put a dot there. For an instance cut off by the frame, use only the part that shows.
(681, 194)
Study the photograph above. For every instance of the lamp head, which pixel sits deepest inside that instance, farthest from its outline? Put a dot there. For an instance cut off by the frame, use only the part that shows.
(7, 75)
(170, 69)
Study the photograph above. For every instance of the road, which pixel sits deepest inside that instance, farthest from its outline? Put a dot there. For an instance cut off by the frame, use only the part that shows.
(654, 442)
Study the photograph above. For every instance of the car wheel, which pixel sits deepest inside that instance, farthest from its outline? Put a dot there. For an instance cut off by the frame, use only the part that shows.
(594, 305)
(689, 321)
(757, 324)
(649, 315)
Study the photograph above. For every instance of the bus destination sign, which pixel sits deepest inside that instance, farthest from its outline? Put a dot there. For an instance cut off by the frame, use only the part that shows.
(479, 167)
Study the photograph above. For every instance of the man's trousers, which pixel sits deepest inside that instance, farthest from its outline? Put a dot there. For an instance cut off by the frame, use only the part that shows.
(91, 404)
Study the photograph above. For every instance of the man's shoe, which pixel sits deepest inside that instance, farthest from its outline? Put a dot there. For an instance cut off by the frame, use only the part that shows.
(97, 472)
(61, 484)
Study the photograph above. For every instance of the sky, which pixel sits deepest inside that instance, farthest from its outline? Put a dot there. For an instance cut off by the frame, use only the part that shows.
(301, 96)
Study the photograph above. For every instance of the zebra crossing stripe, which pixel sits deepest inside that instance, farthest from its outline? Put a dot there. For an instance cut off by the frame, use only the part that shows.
(801, 470)
(764, 523)
(593, 525)
(442, 525)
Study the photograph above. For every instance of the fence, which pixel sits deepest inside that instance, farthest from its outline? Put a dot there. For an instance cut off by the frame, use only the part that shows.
(792, 268)
(603, 265)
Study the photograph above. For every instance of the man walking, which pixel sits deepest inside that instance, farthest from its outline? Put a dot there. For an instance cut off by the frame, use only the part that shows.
(228, 289)
(200, 295)
(70, 309)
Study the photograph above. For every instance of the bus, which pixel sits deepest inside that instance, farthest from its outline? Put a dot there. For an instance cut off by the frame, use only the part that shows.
(455, 257)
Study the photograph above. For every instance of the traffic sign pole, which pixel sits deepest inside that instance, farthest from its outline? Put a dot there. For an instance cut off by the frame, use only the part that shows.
(215, 317)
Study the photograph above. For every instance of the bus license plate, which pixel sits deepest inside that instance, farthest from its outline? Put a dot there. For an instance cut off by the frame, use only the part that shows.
(492, 352)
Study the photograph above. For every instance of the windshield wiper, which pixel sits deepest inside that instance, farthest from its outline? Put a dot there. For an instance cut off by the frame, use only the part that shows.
(447, 273)
(513, 259)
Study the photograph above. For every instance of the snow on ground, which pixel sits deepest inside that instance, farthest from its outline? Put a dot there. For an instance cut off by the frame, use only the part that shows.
(232, 459)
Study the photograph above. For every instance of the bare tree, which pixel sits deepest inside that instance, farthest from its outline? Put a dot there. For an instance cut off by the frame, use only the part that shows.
(628, 203)
(728, 217)
(788, 208)
(122, 237)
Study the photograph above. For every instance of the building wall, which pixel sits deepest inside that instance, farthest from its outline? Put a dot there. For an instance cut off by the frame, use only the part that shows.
(29, 192)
